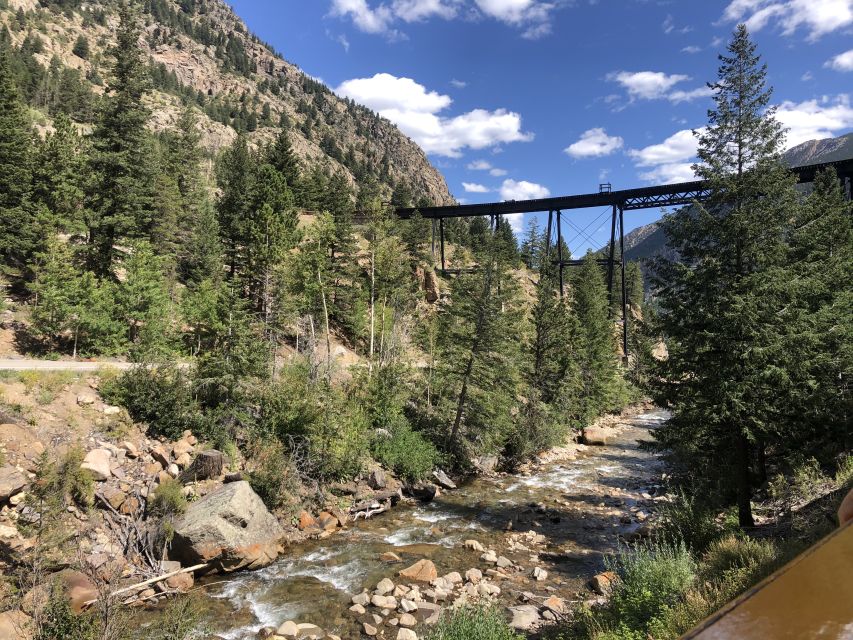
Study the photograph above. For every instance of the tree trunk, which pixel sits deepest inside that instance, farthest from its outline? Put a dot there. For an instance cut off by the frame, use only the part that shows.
(744, 486)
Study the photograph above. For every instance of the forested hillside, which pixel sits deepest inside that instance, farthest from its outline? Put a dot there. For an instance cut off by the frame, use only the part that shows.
(200, 55)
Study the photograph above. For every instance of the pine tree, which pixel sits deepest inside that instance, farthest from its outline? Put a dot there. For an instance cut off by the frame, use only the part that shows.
(122, 189)
(478, 374)
(21, 232)
(236, 183)
(281, 156)
(720, 306)
(532, 246)
(595, 341)
(55, 291)
(59, 175)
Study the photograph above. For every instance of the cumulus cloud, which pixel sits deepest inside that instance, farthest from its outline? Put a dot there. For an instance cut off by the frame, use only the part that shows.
(479, 165)
(818, 17)
(691, 49)
(417, 112)
(523, 190)
(497, 173)
(594, 143)
(841, 62)
(815, 119)
(656, 85)
(473, 187)
(669, 161)
(533, 17)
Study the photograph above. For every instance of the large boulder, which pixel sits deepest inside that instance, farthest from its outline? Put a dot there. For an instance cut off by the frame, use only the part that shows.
(421, 571)
(15, 625)
(12, 482)
(595, 436)
(230, 529)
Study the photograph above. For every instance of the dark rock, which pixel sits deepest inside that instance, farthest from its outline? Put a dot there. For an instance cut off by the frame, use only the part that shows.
(424, 491)
(237, 476)
(443, 481)
(377, 480)
(207, 465)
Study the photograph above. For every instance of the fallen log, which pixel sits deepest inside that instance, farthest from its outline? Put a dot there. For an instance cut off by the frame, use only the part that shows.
(149, 582)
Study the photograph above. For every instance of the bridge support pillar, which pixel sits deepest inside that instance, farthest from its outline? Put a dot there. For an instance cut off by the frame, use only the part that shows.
(433, 239)
(548, 237)
(624, 288)
(560, 247)
(441, 233)
(611, 262)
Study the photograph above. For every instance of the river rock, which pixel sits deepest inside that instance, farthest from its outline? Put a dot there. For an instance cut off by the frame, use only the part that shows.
(524, 617)
(310, 631)
(369, 630)
(421, 571)
(443, 481)
(229, 528)
(358, 609)
(486, 464)
(408, 620)
(490, 556)
(602, 584)
(406, 634)
(376, 480)
(12, 482)
(97, 462)
(362, 599)
(407, 606)
(390, 557)
(327, 522)
(473, 545)
(425, 492)
(288, 630)
(503, 562)
(473, 576)
(385, 586)
(488, 589)
(161, 456)
(384, 602)
(539, 574)
(595, 436)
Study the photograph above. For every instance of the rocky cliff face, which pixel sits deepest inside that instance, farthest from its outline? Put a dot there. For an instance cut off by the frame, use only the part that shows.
(203, 54)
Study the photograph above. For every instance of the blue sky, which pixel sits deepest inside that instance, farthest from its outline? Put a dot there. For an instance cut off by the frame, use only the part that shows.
(523, 98)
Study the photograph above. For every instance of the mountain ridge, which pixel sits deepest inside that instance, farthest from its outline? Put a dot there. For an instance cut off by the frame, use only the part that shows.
(203, 54)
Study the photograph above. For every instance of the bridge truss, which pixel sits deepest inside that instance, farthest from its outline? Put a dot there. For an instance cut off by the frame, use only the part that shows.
(654, 197)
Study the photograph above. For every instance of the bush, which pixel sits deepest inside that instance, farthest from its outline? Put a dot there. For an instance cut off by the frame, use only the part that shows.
(56, 621)
(60, 483)
(411, 456)
(273, 475)
(687, 520)
(473, 623)
(168, 499)
(734, 555)
(161, 397)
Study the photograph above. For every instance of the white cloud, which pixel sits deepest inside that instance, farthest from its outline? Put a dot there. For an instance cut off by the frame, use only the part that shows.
(594, 143)
(678, 147)
(497, 173)
(691, 49)
(416, 112)
(807, 76)
(815, 119)
(841, 62)
(669, 161)
(819, 17)
(669, 26)
(473, 187)
(459, 84)
(479, 165)
(533, 17)
(523, 190)
(655, 85)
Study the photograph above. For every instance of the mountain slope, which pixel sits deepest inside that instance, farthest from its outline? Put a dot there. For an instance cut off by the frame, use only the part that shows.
(202, 53)
(649, 240)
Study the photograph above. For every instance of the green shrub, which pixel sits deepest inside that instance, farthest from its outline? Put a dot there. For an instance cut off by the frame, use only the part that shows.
(168, 499)
(651, 578)
(844, 473)
(473, 623)
(161, 397)
(180, 619)
(273, 475)
(687, 520)
(63, 482)
(58, 622)
(411, 456)
(738, 555)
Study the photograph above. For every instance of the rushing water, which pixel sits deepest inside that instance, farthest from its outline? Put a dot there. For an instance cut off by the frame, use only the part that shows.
(576, 504)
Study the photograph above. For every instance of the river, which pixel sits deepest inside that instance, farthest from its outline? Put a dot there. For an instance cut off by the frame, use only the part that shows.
(580, 506)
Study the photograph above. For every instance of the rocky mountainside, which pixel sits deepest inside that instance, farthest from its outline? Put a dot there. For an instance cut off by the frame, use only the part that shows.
(201, 53)
(649, 241)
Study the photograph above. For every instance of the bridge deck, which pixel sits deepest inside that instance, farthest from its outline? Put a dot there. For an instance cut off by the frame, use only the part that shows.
(669, 195)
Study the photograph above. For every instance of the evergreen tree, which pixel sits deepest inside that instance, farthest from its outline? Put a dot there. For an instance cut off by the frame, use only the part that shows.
(532, 247)
(21, 233)
(281, 156)
(55, 291)
(59, 175)
(121, 197)
(236, 183)
(595, 341)
(721, 304)
(81, 47)
(478, 351)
